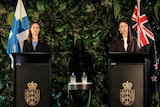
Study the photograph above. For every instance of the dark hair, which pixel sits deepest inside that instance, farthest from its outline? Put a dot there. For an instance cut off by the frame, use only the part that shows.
(130, 36)
(30, 34)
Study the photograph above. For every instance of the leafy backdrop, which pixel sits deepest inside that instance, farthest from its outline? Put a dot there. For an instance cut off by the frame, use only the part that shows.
(78, 33)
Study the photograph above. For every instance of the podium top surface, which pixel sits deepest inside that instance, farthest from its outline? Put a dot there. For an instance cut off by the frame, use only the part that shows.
(32, 57)
(30, 53)
(111, 54)
(127, 57)
(127, 53)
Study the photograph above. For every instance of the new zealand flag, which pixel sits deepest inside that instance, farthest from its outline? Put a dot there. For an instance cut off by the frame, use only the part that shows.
(146, 42)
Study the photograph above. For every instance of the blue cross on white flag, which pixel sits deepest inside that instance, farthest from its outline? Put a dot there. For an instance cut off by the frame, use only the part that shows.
(19, 31)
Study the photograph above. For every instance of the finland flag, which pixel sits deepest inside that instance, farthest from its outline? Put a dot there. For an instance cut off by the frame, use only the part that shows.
(18, 32)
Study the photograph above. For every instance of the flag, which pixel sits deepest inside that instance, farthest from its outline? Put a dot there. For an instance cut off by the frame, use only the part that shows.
(146, 42)
(18, 32)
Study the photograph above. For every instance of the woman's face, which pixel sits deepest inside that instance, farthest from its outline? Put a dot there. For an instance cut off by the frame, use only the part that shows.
(123, 28)
(35, 29)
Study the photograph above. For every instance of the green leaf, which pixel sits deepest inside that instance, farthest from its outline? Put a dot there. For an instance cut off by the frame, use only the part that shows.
(60, 28)
(41, 6)
(157, 9)
(10, 18)
(62, 7)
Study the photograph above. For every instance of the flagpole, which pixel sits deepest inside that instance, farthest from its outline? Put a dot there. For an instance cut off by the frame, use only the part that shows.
(138, 25)
(20, 17)
(20, 10)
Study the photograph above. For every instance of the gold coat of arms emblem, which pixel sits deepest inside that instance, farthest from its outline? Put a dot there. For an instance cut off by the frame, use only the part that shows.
(32, 94)
(127, 95)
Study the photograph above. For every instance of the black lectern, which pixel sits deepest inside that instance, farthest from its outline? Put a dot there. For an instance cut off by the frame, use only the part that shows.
(127, 79)
(32, 82)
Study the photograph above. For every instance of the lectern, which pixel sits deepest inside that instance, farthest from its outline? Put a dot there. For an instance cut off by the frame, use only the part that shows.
(127, 79)
(32, 82)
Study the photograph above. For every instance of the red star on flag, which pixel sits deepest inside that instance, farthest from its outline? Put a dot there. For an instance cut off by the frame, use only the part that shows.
(154, 78)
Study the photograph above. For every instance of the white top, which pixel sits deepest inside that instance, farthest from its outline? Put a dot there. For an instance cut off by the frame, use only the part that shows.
(125, 44)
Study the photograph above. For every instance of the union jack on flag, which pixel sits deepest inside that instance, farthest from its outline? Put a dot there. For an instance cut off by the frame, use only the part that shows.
(140, 25)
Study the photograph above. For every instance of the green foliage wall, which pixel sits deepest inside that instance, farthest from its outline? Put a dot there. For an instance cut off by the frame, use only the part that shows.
(78, 33)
